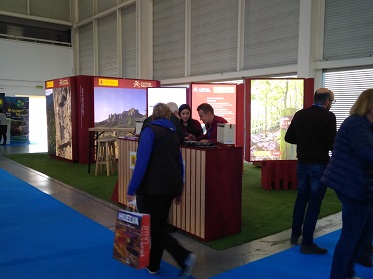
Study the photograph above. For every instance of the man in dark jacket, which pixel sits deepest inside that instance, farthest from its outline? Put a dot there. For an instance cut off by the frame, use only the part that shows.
(313, 130)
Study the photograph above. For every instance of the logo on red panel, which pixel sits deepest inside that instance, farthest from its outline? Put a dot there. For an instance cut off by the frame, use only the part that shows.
(142, 84)
(202, 89)
(63, 82)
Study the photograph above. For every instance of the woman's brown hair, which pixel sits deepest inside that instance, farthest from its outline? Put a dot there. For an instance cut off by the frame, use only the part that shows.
(363, 104)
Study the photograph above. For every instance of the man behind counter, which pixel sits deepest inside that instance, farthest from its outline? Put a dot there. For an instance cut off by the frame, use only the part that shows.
(207, 116)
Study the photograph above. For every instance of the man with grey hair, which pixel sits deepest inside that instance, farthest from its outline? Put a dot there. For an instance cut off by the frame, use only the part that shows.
(174, 109)
(175, 119)
(313, 130)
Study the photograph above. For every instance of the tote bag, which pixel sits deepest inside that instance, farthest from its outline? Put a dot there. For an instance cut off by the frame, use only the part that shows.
(132, 238)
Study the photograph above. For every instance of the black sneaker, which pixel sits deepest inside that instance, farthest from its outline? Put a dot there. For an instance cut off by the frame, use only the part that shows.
(366, 262)
(151, 272)
(294, 240)
(312, 249)
(188, 266)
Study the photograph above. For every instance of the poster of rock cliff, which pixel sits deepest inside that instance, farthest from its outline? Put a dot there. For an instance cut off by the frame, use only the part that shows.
(17, 109)
(60, 117)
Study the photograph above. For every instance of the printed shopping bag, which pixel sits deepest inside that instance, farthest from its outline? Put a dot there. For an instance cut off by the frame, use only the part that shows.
(132, 238)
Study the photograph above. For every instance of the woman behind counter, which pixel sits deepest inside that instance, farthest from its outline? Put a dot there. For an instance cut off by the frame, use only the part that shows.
(191, 127)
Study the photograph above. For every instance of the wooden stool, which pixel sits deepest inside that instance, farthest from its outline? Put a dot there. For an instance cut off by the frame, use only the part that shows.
(106, 154)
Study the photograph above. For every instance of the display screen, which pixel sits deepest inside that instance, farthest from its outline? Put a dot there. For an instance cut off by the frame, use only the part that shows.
(222, 97)
(273, 104)
(165, 95)
(119, 107)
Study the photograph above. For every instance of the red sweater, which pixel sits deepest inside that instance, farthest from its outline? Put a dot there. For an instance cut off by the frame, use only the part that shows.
(212, 129)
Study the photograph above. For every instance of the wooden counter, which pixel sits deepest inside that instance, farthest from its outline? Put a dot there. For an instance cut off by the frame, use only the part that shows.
(212, 196)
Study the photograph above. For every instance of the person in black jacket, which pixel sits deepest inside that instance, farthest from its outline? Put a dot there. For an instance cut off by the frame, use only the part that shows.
(157, 180)
(3, 126)
(313, 130)
(191, 127)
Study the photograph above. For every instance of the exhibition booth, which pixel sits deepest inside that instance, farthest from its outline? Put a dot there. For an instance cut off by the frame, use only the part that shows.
(80, 109)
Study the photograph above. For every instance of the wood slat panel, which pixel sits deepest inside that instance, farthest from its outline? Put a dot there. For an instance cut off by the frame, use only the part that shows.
(197, 170)
(202, 194)
(190, 214)
(187, 186)
(192, 228)
(124, 171)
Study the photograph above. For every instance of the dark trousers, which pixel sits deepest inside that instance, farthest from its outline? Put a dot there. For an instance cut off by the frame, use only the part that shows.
(367, 253)
(356, 231)
(307, 205)
(159, 207)
(3, 130)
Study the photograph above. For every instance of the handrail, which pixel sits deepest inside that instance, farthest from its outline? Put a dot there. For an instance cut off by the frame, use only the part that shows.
(35, 40)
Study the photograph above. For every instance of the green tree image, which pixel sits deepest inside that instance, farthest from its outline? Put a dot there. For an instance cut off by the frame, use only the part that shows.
(273, 104)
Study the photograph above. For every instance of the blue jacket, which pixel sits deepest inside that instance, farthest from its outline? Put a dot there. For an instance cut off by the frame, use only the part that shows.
(144, 175)
(348, 169)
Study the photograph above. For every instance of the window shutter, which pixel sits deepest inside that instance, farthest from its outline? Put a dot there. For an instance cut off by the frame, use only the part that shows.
(214, 36)
(129, 42)
(85, 9)
(347, 86)
(169, 39)
(86, 57)
(348, 29)
(102, 6)
(107, 46)
(18, 6)
(55, 9)
(271, 33)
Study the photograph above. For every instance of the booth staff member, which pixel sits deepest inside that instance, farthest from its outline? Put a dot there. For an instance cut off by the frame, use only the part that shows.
(207, 116)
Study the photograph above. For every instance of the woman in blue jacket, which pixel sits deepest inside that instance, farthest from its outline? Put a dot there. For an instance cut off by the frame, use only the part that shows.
(348, 174)
(157, 180)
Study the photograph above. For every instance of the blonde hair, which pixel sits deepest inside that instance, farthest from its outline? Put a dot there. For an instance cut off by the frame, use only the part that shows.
(363, 104)
(161, 110)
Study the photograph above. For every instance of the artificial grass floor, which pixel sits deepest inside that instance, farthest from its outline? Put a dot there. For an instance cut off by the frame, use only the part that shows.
(264, 212)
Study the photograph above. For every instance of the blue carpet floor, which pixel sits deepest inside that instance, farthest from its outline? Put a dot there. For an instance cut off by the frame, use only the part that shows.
(291, 264)
(43, 238)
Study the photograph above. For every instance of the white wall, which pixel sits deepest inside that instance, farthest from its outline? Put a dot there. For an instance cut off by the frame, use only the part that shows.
(26, 65)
